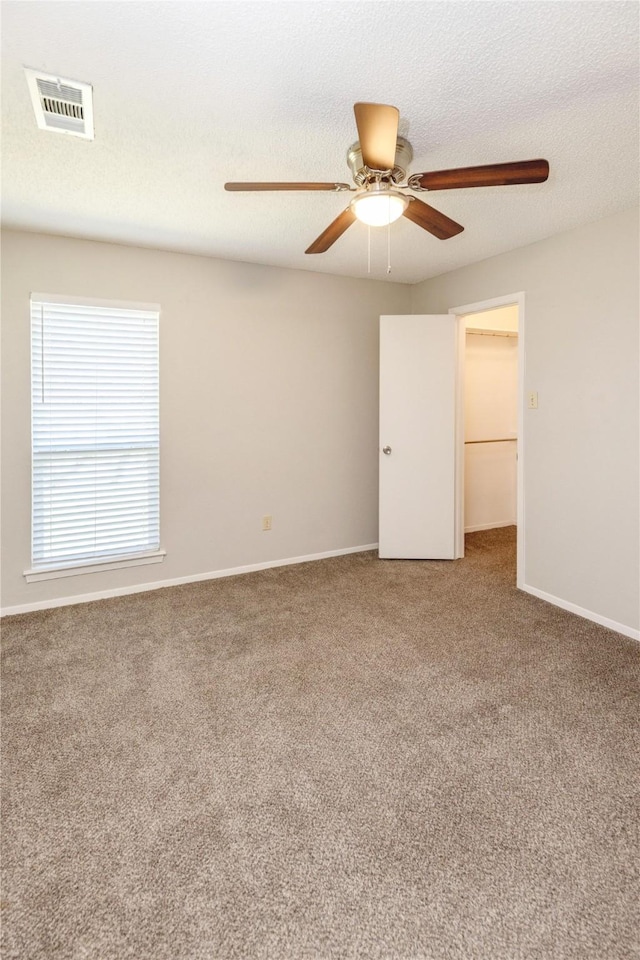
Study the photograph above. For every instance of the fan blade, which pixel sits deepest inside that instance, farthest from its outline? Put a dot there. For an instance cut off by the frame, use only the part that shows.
(335, 187)
(378, 134)
(333, 231)
(491, 175)
(432, 220)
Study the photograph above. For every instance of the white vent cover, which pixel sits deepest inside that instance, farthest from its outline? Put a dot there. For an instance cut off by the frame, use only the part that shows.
(62, 106)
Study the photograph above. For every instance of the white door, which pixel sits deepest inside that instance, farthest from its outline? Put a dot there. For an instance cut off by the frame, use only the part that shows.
(419, 436)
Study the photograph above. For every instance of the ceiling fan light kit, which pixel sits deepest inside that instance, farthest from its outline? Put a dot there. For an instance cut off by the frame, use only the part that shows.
(378, 206)
(379, 161)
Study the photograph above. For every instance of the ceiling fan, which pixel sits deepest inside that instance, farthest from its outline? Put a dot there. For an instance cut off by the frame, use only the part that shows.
(378, 162)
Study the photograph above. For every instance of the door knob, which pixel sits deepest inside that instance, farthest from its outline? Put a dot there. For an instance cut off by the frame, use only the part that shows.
(386, 450)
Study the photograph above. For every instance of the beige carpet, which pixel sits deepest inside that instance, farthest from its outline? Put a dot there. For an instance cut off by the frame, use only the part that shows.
(351, 758)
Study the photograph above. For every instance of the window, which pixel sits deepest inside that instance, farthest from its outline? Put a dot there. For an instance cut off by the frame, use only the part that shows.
(95, 435)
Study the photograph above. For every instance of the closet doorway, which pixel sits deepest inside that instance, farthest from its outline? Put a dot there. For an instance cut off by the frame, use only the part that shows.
(490, 404)
(422, 463)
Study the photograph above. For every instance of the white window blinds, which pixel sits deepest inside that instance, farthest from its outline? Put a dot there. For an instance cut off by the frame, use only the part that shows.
(95, 432)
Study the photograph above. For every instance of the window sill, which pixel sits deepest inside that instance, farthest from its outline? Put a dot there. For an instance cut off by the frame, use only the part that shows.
(76, 569)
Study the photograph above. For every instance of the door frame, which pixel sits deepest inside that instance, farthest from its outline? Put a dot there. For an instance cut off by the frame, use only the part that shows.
(460, 312)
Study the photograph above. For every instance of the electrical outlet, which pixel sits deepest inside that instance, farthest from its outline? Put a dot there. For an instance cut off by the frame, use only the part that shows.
(532, 400)
(266, 522)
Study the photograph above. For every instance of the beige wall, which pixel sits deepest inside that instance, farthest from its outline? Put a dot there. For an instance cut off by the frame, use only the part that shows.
(581, 445)
(269, 402)
(269, 405)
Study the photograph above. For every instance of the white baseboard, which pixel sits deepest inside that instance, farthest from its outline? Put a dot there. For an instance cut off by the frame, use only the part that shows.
(581, 612)
(490, 526)
(250, 568)
(176, 581)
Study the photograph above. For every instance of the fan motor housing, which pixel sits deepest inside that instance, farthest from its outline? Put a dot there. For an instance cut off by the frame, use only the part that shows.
(361, 173)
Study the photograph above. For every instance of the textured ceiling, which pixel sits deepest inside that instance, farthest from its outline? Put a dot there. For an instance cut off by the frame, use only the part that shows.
(188, 95)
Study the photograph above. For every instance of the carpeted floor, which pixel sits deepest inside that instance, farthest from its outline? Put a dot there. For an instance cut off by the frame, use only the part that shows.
(351, 758)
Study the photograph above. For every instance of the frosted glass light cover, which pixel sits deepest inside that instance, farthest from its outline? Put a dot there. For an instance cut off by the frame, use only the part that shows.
(379, 209)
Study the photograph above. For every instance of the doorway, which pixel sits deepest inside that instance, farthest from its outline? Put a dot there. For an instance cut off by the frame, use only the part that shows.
(490, 405)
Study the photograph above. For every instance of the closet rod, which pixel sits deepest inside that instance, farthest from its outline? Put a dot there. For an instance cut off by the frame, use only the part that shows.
(500, 440)
(484, 332)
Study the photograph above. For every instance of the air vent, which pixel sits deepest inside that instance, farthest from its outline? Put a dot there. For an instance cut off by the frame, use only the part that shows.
(62, 106)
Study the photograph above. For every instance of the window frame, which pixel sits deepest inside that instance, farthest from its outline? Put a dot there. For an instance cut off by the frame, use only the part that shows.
(97, 564)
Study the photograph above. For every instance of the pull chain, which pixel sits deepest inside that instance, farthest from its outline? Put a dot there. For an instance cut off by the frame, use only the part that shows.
(388, 249)
(369, 249)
